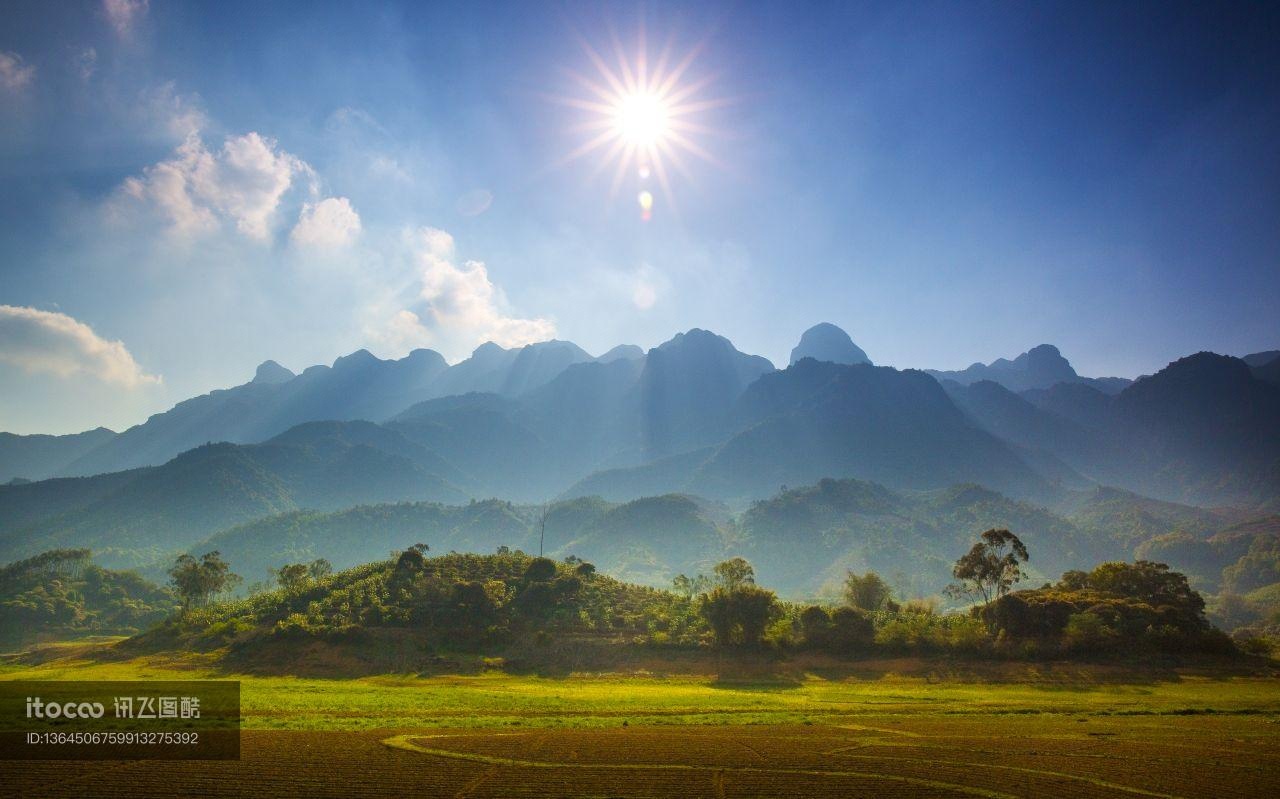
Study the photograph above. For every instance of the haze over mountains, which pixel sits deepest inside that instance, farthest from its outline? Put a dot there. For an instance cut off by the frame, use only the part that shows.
(693, 417)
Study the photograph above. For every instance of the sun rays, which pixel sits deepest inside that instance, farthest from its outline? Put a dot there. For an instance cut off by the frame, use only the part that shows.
(641, 119)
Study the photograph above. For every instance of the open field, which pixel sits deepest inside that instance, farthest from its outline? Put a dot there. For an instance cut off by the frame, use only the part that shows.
(891, 729)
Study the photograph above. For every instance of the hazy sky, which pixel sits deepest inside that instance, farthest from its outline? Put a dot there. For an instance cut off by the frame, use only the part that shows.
(190, 189)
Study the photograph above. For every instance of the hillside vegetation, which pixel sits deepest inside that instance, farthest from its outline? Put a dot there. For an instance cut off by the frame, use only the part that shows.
(61, 594)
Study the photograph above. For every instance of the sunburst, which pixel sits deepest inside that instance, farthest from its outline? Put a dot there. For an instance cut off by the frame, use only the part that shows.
(641, 118)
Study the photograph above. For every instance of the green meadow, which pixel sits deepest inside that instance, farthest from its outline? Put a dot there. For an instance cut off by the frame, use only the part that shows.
(498, 699)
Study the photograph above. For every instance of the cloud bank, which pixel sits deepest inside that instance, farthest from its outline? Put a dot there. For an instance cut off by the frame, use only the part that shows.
(54, 343)
(328, 224)
(198, 188)
(460, 306)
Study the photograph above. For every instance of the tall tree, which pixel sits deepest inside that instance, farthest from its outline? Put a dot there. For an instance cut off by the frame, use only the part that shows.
(990, 568)
(734, 573)
(198, 580)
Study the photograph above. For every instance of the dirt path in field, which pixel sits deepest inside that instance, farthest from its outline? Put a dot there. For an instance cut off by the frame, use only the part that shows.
(994, 758)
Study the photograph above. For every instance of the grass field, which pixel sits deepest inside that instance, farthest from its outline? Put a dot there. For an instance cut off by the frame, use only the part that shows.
(886, 729)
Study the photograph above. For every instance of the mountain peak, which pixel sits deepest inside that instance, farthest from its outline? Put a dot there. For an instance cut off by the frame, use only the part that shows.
(487, 350)
(827, 342)
(622, 352)
(271, 372)
(1041, 366)
(360, 357)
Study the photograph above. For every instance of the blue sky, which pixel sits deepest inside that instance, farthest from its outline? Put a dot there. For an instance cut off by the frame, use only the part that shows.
(190, 189)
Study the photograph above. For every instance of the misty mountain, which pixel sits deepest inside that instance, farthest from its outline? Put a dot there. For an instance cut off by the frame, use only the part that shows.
(356, 386)
(36, 457)
(801, 540)
(1257, 359)
(1265, 366)
(822, 419)
(808, 537)
(687, 388)
(1055, 446)
(826, 342)
(592, 416)
(1203, 429)
(130, 517)
(1038, 368)
(1077, 402)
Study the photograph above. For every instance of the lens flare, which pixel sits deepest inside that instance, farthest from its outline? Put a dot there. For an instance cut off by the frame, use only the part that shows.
(645, 199)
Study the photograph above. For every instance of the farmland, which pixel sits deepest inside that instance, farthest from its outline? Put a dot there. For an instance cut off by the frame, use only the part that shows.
(886, 728)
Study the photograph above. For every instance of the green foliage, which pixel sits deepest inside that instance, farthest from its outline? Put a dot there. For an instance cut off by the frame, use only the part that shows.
(738, 616)
(991, 567)
(734, 573)
(867, 592)
(62, 594)
(1115, 607)
(454, 602)
(540, 570)
(197, 580)
(1258, 567)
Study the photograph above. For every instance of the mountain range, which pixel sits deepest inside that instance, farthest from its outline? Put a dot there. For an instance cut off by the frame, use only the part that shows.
(693, 417)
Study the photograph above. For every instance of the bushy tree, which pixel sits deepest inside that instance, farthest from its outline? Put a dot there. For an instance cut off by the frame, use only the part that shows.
(540, 570)
(292, 576)
(735, 572)
(867, 592)
(739, 616)
(851, 630)
(690, 587)
(320, 568)
(197, 580)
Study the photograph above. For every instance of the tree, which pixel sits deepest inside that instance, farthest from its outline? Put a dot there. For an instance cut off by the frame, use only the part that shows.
(851, 630)
(740, 615)
(320, 567)
(690, 587)
(292, 576)
(815, 622)
(198, 580)
(990, 568)
(1150, 582)
(734, 573)
(540, 570)
(543, 513)
(867, 592)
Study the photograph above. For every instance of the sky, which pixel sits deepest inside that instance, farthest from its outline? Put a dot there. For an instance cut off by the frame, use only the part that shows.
(188, 189)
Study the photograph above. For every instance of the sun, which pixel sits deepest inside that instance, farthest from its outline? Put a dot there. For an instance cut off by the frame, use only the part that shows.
(641, 118)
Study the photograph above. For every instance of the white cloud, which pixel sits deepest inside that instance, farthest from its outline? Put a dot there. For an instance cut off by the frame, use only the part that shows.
(243, 182)
(44, 341)
(328, 224)
(15, 75)
(461, 307)
(86, 63)
(180, 115)
(124, 14)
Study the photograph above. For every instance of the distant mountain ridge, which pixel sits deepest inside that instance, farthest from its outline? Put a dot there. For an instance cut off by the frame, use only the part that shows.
(356, 386)
(1040, 367)
(36, 457)
(695, 415)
